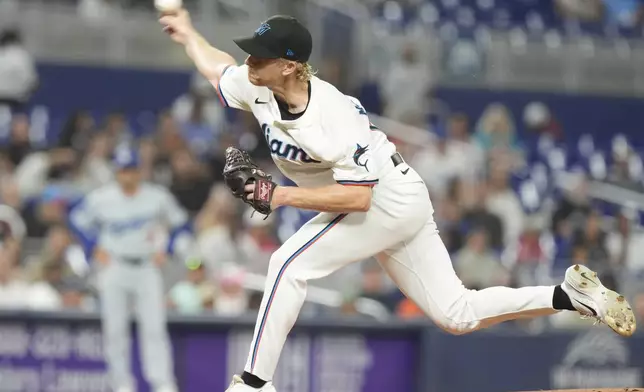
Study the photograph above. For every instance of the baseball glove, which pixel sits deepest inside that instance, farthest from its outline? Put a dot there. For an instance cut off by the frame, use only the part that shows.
(240, 171)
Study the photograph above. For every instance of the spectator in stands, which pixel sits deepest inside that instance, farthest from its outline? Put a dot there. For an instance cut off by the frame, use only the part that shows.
(573, 207)
(9, 195)
(155, 167)
(530, 254)
(197, 133)
(19, 141)
(214, 226)
(460, 134)
(618, 241)
(405, 87)
(374, 286)
(14, 292)
(477, 216)
(191, 181)
(193, 294)
(200, 115)
(55, 291)
(12, 231)
(18, 74)
(257, 241)
(626, 167)
(156, 151)
(231, 298)
(56, 243)
(448, 216)
(625, 244)
(438, 114)
(37, 168)
(51, 210)
(201, 94)
(592, 239)
(116, 126)
(96, 169)
(50, 181)
(6, 167)
(77, 131)
(437, 167)
(12, 226)
(477, 265)
(52, 286)
(496, 134)
(42, 294)
(168, 137)
(503, 202)
(453, 156)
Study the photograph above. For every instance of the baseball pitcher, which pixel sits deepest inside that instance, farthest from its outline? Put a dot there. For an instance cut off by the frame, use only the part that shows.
(130, 219)
(371, 202)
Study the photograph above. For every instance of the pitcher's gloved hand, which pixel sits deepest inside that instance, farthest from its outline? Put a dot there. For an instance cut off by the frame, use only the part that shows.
(239, 172)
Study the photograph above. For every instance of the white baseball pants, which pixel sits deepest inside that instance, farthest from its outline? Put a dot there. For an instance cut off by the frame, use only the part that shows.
(400, 231)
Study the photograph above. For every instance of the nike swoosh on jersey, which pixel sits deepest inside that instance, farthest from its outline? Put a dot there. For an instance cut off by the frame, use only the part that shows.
(405, 171)
(257, 101)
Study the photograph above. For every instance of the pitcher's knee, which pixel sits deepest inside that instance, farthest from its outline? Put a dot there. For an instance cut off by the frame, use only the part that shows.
(455, 327)
(457, 319)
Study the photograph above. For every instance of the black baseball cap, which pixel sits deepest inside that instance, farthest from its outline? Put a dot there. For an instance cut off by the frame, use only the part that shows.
(279, 37)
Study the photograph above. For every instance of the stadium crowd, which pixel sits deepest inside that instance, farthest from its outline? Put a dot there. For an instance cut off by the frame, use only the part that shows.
(493, 236)
(492, 239)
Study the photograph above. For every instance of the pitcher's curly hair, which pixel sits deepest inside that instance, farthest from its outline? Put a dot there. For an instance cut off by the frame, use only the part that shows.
(304, 72)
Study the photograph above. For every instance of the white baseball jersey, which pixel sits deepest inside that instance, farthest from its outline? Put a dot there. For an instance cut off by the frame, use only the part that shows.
(128, 226)
(333, 141)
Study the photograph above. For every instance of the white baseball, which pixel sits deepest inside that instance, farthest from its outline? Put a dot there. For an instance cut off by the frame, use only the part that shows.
(168, 5)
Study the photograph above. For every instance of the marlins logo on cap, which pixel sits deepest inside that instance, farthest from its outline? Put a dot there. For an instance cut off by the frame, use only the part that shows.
(264, 27)
(280, 36)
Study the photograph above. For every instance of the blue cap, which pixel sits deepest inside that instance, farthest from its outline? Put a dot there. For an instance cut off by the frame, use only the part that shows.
(53, 193)
(126, 158)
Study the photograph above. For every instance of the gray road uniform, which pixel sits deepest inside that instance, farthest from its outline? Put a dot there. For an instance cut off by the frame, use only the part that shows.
(128, 229)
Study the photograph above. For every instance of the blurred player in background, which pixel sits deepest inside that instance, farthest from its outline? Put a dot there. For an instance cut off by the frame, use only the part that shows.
(371, 202)
(130, 219)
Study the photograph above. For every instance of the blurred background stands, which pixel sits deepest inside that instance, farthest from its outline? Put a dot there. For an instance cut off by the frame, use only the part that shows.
(525, 180)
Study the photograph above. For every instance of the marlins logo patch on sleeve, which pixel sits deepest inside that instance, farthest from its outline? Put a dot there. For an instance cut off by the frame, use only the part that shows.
(360, 151)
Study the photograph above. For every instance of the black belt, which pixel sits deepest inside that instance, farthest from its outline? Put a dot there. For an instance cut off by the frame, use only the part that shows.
(397, 159)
